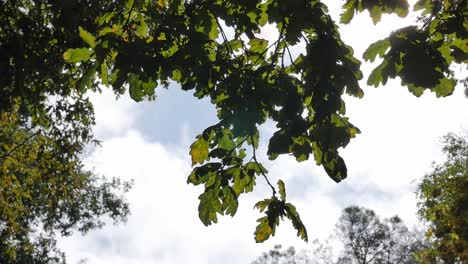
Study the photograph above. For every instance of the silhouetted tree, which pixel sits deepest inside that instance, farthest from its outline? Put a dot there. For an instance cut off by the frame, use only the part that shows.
(364, 239)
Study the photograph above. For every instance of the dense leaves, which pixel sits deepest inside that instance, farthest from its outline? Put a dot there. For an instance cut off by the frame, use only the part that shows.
(375, 7)
(443, 195)
(44, 190)
(151, 42)
(34, 36)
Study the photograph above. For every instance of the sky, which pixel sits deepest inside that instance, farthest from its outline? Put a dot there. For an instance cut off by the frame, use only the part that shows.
(149, 143)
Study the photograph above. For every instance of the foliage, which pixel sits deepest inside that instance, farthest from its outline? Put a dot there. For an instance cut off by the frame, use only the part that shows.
(34, 35)
(443, 196)
(215, 49)
(44, 190)
(363, 239)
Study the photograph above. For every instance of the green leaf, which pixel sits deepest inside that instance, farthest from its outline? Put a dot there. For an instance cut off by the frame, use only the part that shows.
(415, 90)
(263, 230)
(199, 151)
(279, 144)
(230, 202)
(376, 48)
(301, 150)
(203, 173)
(348, 12)
(401, 12)
(129, 4)
(149, 86)
(318, 154)
(335, 166)
(226, 142)
(254, 167)
(445, 87)
(262, 205)
(86, 81)
(427, 5)
(376, 14)
(281, 190)
(242, 182)
(176, 75)
(77, 55)
(293, 215)
(209, 206)
(104, 74)
(213, 28)
(375, 78)
(211, 180)
(258, 45)
(141, 28)
(235, 44)
(134, 87)
(87, 37)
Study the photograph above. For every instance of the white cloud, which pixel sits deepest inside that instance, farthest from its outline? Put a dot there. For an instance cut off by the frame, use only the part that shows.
(113, 117)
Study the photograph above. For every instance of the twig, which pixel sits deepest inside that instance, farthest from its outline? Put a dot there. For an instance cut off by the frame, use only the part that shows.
(226, 43)
(261, 169)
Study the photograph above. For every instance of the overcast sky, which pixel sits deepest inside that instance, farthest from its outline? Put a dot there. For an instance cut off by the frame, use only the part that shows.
(149, 143)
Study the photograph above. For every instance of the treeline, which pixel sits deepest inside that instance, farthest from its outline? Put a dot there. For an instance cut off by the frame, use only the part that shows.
(360, 237)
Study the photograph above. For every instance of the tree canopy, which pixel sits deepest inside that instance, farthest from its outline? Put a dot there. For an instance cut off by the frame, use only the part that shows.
(443, 203)
(45, 191)
(214, 48)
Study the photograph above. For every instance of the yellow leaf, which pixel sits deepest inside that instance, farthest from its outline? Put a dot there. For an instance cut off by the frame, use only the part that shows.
(199, 151)
(161, 3)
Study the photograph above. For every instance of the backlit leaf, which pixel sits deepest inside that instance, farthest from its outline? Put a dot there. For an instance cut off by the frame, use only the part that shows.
(87, 37)
(281, 190)
(77, 55)
(376, 48)
(199, 151)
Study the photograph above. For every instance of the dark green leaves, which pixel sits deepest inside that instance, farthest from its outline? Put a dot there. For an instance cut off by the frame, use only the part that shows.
(375, 8)
(419, 61)
(334, 166)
